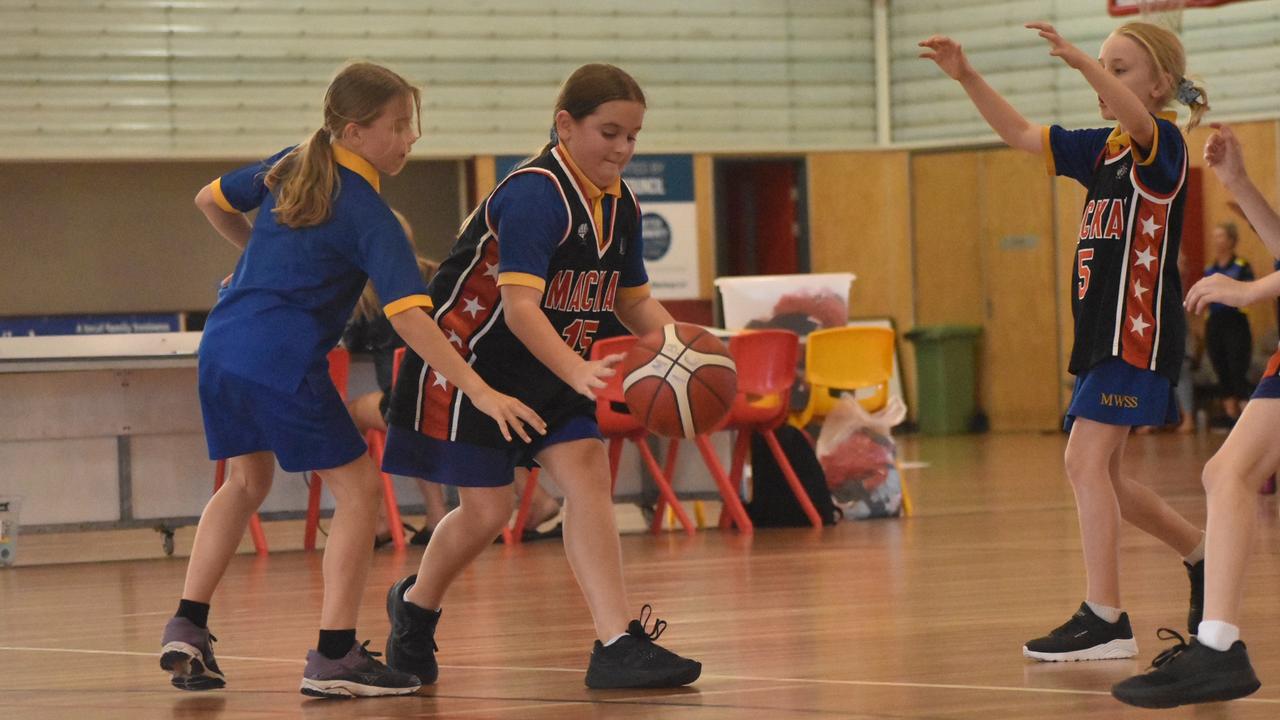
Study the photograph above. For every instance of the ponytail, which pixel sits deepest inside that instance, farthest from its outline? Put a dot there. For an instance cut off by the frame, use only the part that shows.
(305, 182)
(1191, 92)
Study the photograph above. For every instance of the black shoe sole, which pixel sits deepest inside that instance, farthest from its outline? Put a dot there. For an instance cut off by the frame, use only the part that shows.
(1162, 703)
(633, 682)
(188, 672)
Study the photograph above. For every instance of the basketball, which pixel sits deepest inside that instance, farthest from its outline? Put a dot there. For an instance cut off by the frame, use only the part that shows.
(679, 381)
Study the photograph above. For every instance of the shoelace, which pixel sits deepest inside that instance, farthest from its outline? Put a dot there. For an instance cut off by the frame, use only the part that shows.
(1169, 653)
(659, 626)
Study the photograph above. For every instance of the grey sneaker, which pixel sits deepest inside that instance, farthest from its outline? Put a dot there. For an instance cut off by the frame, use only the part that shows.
(356, 674)
(187, 653)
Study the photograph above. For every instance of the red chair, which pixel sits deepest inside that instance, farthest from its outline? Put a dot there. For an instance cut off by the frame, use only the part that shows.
(617, 426)
(340, 372)
(766, 362)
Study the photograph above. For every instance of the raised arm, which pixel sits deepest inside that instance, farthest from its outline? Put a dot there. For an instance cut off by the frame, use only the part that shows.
(421, 334)
(1014, 129)
(1223, 153)
(1130, 112)
(233, 226)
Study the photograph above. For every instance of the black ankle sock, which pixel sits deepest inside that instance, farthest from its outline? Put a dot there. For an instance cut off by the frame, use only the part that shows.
(334, 644)
(196, 612)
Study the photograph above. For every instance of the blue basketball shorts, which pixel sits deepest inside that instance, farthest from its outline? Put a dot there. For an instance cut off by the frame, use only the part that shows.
(308, 429)
(1114, 392)
(413, 454)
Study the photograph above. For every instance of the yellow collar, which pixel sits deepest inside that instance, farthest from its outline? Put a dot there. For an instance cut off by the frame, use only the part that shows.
(589, 188)
(1118, 140)
(357, 165)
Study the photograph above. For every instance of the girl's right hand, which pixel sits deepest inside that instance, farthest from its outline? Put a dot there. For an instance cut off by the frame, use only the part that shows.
(948, 55)
(589, 376)
(509, 413)
(1223, 153)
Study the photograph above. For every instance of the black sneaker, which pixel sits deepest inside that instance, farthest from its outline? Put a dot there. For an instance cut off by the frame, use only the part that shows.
(1085, 637)
(1190, 673)
(187, 653)
(1195, 573)
(636, 661)
(356, 674)
(411, 646)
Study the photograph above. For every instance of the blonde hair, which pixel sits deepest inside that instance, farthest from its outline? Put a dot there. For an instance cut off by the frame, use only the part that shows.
(369, 305)
(306, 179)
(1170, 60)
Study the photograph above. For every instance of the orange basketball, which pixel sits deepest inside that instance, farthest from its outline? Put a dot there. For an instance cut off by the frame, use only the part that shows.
(679, 381)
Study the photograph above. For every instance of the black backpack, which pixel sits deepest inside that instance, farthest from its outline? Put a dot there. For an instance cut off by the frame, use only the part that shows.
(772, 502)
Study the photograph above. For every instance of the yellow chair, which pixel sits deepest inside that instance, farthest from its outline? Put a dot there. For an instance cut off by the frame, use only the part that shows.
(849, 359)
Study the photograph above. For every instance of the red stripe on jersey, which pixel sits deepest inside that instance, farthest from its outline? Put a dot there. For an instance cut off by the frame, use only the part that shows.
(1140, 322)
(472, 304)
(1273, 365)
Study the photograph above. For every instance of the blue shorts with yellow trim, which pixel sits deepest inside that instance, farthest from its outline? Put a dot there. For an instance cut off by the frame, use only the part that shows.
(309, 429)
(1114, 392)
(413, 454)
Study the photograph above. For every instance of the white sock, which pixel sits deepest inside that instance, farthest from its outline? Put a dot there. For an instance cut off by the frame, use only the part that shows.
(615, 639)
(1110, 614)
(405, 597)
(1217, 635)
(1196, 555)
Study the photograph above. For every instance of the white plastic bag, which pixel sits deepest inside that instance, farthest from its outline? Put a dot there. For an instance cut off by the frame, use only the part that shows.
(857, 451)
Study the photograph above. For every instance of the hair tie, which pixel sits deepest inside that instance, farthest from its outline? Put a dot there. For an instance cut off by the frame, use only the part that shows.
(1187, 92)
(555, 136)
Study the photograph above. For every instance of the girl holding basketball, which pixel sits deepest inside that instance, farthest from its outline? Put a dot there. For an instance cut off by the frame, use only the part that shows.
(1215, 666)
(1129, 324)
(321, 232)
(547, 262)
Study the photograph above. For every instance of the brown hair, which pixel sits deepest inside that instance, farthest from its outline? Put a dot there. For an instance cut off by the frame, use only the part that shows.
(369, 305)
(589, 87)
(306, 179)
(1170, 59)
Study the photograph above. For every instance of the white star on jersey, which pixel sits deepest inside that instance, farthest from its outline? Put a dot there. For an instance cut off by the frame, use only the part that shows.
(1138, 290)
(438, 380)
(1145, 258)
(453, 338)
(491, 270)
(472, 307)
(1138, 325)
(1149, 226)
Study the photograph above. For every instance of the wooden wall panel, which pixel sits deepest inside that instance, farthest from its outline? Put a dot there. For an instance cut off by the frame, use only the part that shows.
(860, 222)
(1019, 361)
(946, 221)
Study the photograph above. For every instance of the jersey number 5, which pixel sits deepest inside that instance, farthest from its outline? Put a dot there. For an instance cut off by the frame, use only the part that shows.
(580, 334)
(1082, 269)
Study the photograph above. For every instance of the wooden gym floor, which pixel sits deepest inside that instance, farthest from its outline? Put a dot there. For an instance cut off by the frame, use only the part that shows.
(915, 618)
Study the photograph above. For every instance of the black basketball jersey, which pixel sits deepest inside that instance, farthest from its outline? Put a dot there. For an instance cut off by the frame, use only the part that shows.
(1126, 296)
(581, 272)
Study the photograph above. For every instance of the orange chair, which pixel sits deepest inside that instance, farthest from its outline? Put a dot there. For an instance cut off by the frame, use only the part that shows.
(849, 359)
(617, 426)
(766, 362)
(340, 372)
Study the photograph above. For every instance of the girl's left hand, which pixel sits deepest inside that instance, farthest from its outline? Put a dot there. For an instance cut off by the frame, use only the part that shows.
(1218, 288)
(1059, 47)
